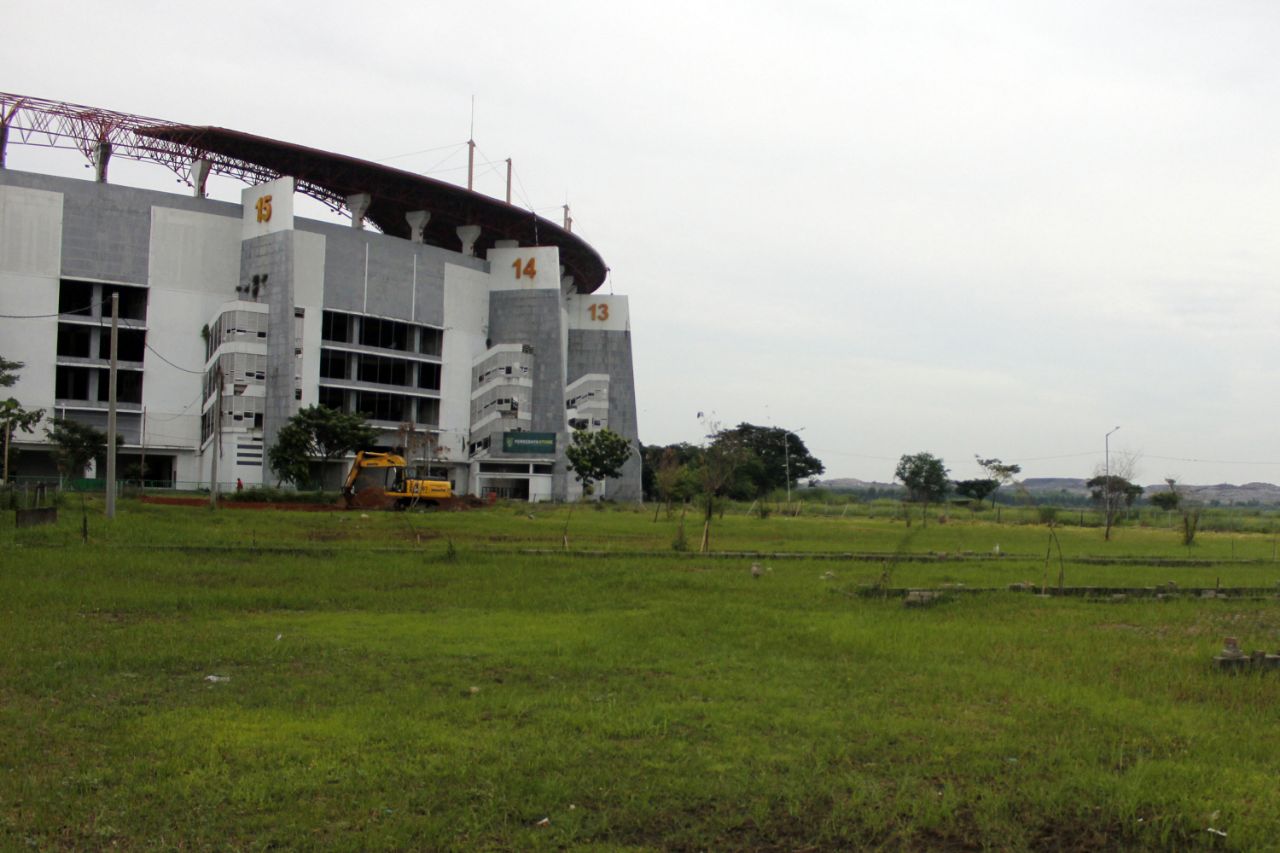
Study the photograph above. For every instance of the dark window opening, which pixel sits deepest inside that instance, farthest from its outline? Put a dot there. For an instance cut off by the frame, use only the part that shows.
(333, 365)
(335, 327)
(381, 407)
(75, 297)
(430, 341)
(74, 341)
(429, 376)
(133, 301)
(71, 383)
(386, 334)
(428, 412)
(131, 344)
(384, 371)
(333, 398)
(128, 386)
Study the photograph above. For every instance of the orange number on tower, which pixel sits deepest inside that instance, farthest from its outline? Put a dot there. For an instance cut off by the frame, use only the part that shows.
(525, 269)
(599, 311)
(264, 208)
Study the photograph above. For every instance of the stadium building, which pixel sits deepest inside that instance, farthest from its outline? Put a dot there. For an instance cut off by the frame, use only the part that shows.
(469, 331)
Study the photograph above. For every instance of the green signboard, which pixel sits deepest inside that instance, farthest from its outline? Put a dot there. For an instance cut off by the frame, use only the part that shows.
(528, 442)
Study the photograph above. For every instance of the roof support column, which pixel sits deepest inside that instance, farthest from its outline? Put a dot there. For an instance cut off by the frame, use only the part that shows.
(418, 220)
(199, 176)
(468, 234)
(358, 204)
(101, 157)
(4, 139)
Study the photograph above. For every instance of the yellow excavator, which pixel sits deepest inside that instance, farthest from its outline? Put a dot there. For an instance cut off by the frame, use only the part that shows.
(383, 481)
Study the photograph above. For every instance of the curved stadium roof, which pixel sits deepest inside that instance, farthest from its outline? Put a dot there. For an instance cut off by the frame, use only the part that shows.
(329, 177)
(395, 192)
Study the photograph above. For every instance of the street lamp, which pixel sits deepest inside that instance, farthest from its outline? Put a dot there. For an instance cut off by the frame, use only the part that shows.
(1106, 440)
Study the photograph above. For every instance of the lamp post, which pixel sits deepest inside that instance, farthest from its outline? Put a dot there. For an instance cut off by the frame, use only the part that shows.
(1106, 440)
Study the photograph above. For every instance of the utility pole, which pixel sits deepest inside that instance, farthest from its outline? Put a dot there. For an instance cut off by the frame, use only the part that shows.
(142, 473)
(508, 180)
(111, 407)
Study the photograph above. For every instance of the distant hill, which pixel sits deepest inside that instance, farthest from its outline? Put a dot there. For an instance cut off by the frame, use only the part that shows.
(1221, 494)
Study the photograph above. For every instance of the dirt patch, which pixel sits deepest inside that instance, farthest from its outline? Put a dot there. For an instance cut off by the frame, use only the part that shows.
(373, 497)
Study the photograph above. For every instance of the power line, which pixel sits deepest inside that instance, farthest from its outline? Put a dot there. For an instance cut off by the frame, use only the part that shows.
(83, 311)
(171, 364)
(454, 145)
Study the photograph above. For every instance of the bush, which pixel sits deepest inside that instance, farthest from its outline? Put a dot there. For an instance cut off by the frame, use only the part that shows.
(1048, 514)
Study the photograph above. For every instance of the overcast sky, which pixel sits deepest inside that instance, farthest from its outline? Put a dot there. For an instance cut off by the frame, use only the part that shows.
(996, 228)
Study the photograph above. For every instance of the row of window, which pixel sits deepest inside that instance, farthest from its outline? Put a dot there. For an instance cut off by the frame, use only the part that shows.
(382, 406)
(80, 341)
(245, 326)
(359, 367)
(91, 299)
(339, 327)
(92, 384)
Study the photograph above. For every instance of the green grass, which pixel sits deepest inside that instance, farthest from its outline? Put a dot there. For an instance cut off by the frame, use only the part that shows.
(382, 695)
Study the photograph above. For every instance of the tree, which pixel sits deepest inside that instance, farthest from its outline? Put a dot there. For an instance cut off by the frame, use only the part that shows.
(925, 477)
(670, 479)
(774, 457)
(595, 456)
(1002, 472)
(1168, 501)
(316, 431)
(12, 415)
(1109, 492)
(716, 471)
(75, 445)
(1112, 485)
(976, 490)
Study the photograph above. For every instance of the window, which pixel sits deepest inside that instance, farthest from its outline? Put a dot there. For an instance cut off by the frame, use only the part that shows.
(335, 327)
(333, 398)
(71, 383)
(430, 340)
(386, 334)
(429, 376)
(333, 365)
(130, 344)
(378, 406)
(74, 341)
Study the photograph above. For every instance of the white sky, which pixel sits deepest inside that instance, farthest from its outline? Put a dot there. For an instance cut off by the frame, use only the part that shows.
(962, 227)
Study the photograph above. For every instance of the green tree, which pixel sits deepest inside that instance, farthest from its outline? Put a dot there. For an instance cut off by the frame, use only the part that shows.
(594, 456)
(1002, 472)
(1109, 492)
(716, 472)
(12, 415)
(75, 445)
(926, 479)
(976, 490)
(671, 480)
(773, 456)
(316, 432)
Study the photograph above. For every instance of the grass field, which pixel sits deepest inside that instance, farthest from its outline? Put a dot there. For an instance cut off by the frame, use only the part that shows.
(458, 681)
